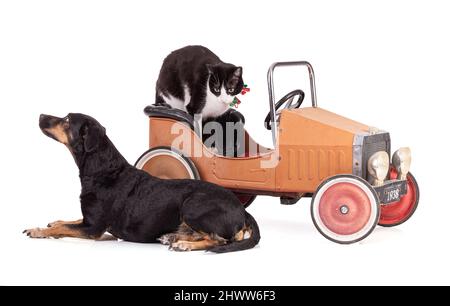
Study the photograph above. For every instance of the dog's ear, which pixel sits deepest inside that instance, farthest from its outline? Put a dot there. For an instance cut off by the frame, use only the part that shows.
(92, 136)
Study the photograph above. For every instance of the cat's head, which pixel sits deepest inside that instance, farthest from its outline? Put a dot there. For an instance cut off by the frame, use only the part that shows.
(225, 81)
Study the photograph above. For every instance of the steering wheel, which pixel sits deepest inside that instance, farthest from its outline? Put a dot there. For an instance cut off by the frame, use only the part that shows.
(287, 98)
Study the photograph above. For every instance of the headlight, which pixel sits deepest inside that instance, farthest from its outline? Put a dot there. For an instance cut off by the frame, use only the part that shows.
(402, 162)
(378, 166)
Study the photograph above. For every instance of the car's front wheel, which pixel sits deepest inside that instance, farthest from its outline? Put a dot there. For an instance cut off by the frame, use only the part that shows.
(345, 209)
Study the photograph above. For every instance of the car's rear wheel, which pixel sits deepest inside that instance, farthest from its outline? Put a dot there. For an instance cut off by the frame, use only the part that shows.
(345, 209)
(167, 163)
(399, 212)
(246, 199)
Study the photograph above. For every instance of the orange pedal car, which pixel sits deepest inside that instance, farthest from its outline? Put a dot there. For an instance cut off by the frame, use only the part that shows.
(345, 166)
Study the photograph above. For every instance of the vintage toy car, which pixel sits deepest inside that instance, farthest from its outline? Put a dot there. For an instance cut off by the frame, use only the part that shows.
(345, 166)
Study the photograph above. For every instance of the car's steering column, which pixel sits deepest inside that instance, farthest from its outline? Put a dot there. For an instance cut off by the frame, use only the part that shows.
(287, 99)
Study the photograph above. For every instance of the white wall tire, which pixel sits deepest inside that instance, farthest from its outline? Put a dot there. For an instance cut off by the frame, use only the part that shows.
(167, 163)
(345, 209)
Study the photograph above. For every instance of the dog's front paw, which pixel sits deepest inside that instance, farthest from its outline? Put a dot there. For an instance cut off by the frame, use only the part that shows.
(35, 233)
(180, 246)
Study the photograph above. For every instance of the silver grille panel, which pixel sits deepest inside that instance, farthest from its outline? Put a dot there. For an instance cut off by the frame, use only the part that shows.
(364, 145)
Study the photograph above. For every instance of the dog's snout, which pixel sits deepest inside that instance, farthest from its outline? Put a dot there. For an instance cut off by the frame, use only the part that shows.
(46, 121)
(43, 121)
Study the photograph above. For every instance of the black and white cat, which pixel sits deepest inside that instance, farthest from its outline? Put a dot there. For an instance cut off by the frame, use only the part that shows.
(195, 80)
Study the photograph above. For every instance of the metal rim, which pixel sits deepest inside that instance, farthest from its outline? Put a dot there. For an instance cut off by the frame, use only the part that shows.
(399, 212)
(342, 219)
(168, 151)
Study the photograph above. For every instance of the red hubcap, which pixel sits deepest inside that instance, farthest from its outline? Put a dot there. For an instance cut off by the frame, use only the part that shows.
(345, 208)
(398, 212)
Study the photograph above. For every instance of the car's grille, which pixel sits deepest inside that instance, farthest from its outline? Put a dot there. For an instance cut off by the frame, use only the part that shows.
(364, 146)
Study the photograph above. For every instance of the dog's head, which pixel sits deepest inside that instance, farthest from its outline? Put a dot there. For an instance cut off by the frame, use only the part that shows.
(80, 133)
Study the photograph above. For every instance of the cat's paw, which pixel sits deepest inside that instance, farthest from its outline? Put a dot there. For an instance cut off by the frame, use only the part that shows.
(235, 117)
(162, 104)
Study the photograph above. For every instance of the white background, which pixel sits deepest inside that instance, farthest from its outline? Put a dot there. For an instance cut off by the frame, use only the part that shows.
(384, 63)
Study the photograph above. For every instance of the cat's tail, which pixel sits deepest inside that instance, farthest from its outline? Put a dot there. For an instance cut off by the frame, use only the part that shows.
(244, 244)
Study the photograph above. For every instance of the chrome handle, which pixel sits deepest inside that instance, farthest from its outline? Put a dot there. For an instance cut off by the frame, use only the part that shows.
(312, 79)
(312, 84)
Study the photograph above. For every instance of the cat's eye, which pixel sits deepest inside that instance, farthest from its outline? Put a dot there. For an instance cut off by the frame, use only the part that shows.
(230, 90)
(217, 89)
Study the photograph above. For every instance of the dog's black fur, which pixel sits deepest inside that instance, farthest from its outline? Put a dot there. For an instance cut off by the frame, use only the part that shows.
(135, 206)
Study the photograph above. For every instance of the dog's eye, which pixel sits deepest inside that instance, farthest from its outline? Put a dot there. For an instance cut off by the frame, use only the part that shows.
(66, 122)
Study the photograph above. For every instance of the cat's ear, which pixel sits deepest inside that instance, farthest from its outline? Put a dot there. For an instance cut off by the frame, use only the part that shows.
(237, 72)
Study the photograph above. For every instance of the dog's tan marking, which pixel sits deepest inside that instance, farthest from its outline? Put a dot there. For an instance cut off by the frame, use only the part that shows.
(59, 133)
(59, 231)
(244, 233)
(184, 245)
(186, 239)
(239, 235)
(184, 232)
(60, 222)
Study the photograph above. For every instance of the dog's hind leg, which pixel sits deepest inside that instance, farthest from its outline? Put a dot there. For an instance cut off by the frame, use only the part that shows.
(65, 230)
(184, 232)
(184, 245)
(187, 239)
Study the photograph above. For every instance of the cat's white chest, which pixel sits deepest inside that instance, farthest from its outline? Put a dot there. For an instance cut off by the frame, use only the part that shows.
(216, 105)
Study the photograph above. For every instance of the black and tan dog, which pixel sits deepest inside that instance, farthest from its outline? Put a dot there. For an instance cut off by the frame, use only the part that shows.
(135, 206)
